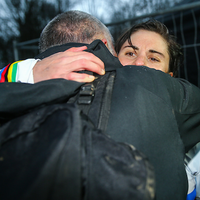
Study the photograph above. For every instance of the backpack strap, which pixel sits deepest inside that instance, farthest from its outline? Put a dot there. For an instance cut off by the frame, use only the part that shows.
(106, 102)
(94, 99)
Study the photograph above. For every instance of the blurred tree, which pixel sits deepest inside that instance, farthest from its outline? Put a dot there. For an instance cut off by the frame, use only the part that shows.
(24, 20)
(126, 9)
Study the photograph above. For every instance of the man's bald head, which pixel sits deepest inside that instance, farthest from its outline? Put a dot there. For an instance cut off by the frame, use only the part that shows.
(74, 26)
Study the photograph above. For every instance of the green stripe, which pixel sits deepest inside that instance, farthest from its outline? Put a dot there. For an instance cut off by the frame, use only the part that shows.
(14, 72)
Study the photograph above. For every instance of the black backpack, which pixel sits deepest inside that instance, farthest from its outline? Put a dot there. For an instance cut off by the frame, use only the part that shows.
(56, 153)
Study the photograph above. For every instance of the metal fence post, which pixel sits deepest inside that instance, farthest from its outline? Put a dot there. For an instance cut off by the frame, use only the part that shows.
(15, 50)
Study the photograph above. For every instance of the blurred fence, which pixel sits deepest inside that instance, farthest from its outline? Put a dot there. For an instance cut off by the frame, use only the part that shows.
(183, 21)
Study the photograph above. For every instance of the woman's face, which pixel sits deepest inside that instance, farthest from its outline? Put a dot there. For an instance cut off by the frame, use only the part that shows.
(148, 49)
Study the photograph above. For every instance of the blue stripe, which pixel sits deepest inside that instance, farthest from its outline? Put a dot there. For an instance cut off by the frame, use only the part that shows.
(2, 71)
(192, 195)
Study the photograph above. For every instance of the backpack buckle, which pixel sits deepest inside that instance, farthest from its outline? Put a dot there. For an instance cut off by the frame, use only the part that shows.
(86, 94)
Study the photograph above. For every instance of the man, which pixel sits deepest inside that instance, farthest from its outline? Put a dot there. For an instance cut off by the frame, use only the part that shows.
(146, 113)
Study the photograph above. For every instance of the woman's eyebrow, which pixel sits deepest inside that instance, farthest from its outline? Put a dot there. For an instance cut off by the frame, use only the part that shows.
(151, 50)
(157, 52)
(131, 46)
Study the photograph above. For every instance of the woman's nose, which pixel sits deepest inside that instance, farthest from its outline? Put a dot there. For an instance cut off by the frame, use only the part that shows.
(139, 61)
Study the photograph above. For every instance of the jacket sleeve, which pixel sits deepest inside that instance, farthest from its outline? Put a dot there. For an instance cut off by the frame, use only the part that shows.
(19, 71)
(185, 98)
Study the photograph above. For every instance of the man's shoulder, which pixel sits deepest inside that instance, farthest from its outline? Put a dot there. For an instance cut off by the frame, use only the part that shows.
(58, 48)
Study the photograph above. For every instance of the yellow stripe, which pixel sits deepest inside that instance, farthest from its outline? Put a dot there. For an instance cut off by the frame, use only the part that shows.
(9, 76)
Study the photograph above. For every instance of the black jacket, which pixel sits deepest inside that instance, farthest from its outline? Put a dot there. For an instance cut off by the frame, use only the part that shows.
(158, 114)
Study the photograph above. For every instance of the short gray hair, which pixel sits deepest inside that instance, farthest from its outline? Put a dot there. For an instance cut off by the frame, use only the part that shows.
(74, 26)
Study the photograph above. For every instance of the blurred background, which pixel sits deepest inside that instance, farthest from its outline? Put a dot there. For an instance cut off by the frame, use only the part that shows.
(21, 22)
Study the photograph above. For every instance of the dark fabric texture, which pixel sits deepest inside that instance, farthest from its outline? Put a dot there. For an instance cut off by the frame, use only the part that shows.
(97, 48)
(156, 113)
(20, 98)
(55, 153)
(30, 96)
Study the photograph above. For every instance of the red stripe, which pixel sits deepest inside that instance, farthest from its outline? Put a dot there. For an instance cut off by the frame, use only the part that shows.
(3, 74)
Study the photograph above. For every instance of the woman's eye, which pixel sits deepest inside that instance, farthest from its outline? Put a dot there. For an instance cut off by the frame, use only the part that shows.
(130, 54)
(154, 59)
